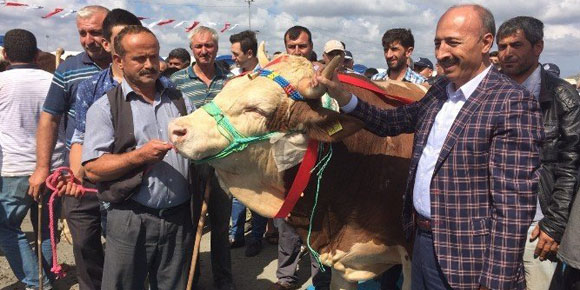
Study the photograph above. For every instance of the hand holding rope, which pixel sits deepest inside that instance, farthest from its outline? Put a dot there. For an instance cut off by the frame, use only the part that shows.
(55, 183)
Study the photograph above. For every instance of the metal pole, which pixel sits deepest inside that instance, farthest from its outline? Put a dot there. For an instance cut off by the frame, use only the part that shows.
(250, 13)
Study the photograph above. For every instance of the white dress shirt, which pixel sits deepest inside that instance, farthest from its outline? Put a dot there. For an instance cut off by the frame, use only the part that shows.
(441, 126)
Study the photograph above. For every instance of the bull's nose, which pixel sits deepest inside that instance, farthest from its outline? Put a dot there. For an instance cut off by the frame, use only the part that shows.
(176, 133)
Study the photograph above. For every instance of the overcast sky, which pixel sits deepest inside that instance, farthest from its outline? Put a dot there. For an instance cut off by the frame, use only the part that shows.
(360, 24)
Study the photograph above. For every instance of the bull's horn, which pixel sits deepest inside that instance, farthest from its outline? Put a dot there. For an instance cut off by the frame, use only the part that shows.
(309, 92)
(262, 58)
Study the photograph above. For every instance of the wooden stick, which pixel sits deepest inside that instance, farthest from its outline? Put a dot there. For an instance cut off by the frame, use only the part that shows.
(198, 235)
(39, 245)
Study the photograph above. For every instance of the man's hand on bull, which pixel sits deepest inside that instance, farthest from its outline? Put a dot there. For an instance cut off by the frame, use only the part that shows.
(334, 87)
(154, 151)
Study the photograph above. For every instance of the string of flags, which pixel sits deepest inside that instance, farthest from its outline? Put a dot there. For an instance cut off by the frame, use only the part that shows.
(189, 25)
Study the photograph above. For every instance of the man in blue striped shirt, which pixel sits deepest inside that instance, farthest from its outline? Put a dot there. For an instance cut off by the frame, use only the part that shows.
(60, 102)
(200, 83)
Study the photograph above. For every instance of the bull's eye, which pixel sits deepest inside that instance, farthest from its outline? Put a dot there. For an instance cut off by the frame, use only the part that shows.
(256, 110)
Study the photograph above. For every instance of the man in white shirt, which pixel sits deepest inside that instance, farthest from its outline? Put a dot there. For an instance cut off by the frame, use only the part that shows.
(471, 190)
(23, 89)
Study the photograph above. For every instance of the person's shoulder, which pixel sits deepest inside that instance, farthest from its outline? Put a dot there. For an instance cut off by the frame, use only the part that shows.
(564, 91)
(180, 75)
(101, 104)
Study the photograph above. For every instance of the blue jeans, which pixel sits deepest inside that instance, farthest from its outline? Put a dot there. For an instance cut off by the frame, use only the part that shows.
(14, 205)
(239, 219)
(426, 274)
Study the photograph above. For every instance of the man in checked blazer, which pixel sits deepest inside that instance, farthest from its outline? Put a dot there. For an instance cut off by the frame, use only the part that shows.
(473, 176)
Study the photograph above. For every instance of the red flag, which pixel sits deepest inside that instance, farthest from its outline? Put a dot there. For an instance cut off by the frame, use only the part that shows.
(192, 26)
(163, 22)
(226, 26)
(142, 18)
(14, 4)
(53, 12)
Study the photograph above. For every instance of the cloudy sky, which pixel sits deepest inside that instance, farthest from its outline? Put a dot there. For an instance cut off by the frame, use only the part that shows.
(360, 24)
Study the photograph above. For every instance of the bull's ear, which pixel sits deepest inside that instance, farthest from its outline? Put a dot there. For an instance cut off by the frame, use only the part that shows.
(320, 123)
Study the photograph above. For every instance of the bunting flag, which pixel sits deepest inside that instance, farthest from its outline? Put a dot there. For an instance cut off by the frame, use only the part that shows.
(226, 26)
(192, 26)
(160, 23)
(14, 4)
(72, 11)
(52, 13)
(180, 24)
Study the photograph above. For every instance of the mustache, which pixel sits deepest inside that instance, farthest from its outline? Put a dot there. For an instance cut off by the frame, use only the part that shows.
(147, 71)
(448, 61)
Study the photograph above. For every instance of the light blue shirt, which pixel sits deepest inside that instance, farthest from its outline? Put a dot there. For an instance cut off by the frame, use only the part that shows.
(441, 126)
(165, 183)
(534, 84)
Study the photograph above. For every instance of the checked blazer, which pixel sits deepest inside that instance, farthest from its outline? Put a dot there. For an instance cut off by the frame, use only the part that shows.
(483, 189)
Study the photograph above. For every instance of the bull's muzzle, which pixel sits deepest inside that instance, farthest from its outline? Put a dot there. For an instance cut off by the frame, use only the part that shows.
(177, 133)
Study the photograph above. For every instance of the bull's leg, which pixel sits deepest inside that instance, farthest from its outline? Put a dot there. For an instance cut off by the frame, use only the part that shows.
(406, 263)
(337, 282)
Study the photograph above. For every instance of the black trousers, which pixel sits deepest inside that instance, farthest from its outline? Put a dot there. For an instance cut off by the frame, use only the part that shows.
(83, 217)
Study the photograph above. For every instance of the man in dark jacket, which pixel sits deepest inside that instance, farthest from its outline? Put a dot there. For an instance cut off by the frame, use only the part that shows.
(520, 43)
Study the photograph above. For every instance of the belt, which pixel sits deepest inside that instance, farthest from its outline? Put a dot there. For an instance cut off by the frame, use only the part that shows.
(158, 212)
(423, 223)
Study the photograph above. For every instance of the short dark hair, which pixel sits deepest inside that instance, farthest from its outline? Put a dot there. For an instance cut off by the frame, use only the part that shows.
(181, 54)
(494, 53)
(247, 40)
(294, 32)
(131, 29)
(20, 46)
(532, 28)
(118, 17)
(402, 35)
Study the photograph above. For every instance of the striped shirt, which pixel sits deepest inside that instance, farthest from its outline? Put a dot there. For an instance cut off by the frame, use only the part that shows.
(410, 76)
(23, 89)
(193, 88)
(63, 90)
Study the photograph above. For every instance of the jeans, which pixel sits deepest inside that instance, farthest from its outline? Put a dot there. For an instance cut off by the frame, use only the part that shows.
(426, 274)
(14, 205)
(239, 219)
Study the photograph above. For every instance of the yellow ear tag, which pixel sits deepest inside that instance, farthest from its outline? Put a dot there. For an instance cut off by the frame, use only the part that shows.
(334, 128)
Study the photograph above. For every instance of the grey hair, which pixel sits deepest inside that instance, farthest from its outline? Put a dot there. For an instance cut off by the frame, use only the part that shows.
(88, 11)
(204, 29)
(532, 28)
(486, 17)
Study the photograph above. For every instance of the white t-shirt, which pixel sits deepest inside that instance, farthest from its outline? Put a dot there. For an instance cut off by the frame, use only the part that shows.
(22, 94)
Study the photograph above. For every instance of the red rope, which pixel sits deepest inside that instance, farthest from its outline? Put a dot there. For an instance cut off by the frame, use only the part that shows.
(52, 182)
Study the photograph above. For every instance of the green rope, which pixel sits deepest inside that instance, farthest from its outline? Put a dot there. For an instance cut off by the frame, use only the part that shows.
(321, 165)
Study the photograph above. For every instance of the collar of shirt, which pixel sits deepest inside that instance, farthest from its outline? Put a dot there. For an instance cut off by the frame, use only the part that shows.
(533, 82)
(86, 59)
(160, 88)
(219, 72)
(21, 66)
(468, 88)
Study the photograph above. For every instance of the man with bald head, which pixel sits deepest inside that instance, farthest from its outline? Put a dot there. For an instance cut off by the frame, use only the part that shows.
(472, 179)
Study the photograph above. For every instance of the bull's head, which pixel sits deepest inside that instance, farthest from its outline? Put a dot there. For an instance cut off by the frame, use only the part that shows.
(255, 106)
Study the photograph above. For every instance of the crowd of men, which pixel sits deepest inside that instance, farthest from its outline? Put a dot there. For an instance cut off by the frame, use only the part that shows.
(105, 112)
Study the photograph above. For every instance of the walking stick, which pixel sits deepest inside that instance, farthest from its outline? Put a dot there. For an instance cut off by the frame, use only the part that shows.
(39, 245)
(198, 235)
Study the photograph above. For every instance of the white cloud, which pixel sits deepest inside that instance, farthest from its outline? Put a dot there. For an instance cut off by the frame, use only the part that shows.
(360, 24)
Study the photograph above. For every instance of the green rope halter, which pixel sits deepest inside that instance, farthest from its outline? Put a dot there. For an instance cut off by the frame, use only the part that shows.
(238, 141)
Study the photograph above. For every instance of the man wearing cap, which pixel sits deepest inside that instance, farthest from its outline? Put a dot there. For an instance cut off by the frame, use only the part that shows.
(398, 46)
(520, 43)
(424, 67)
